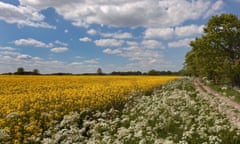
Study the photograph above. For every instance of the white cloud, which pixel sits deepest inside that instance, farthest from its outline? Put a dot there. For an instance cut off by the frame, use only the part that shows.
(76, 63)
(32, 42)
(7, 48)
(59, 49)
(108, 42)
(66, 31)
(133, 13)
(9, 53)
(168, 33)
(117, 35)
(152, 44)
(188, 30)
(60, 43)
(22, 15)
(110, 51)
(142, 54)
(164, 33)
(214, 9)
(10, 62)
(180, 43)
(56, 47)
(85, 39)
(79, 57)
(10, 57)
(132, 43)
(92, 32)
(92, 61)
(24, 57)
(146, 58)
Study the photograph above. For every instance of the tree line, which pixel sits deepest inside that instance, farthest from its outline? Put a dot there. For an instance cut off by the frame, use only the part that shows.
(216, 54)
(21, 71)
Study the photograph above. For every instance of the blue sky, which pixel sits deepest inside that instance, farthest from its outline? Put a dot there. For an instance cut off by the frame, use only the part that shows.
(78, 36)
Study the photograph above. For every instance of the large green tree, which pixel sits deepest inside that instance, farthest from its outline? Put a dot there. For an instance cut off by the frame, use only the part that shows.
(216, 54)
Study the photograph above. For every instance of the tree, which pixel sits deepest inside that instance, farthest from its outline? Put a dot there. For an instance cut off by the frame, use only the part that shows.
(152, 72)
(99, 71)
(20, 70)
(216, 54)
(36, 72)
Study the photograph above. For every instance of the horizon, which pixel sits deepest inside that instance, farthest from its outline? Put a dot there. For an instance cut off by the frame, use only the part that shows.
(79, 37)
(36, 71)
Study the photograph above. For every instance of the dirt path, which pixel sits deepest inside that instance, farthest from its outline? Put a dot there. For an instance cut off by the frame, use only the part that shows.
(223, 104)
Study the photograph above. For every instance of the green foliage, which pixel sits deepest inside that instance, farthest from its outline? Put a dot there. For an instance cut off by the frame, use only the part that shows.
(99, 71)
(229, 92)
(216, 55)
(20, 70)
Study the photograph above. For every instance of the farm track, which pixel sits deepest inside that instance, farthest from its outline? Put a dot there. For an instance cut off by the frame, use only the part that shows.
(221, 103)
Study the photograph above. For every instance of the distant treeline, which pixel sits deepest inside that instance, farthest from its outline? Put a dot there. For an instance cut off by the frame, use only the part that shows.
(21, 71)
(151, 72)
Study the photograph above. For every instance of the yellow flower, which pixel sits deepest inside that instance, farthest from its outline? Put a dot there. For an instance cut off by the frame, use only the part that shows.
(43, 100)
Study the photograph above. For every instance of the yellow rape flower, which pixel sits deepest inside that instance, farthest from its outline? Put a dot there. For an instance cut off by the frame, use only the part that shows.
(39, 101)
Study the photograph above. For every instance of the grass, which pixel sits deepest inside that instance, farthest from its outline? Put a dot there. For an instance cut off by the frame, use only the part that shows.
(226, 91)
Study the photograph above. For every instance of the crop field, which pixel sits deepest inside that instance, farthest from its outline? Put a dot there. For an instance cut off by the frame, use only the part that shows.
(172, 114)
(31, 105)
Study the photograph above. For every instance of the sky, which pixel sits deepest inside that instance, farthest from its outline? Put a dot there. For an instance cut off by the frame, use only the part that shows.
(79, 36)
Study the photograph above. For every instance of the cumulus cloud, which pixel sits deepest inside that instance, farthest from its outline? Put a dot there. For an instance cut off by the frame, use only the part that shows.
(152, 44)
(59, 49)
(60, 43)
(92, 32)
(147, 58)
(79, 57)
(10, 60)
(118, 35)
(85, 39)
(7, 48)
(76, 63)
(215, 7)
(164, 33)
(168, 33)
(189, 30)
(22, 15)
(32, 42)
(112, 51)
(108, 42)
(9, 53)
(56, 47)
(143, 53)
(133, 13)
(180, 43)
(66, 31)
(132, 43)
(92, 61)
(24, 57)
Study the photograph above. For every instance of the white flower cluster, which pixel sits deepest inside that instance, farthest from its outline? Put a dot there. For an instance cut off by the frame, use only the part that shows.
(173, 114)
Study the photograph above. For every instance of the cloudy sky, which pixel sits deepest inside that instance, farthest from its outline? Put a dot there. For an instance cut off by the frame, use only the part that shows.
(78, 36)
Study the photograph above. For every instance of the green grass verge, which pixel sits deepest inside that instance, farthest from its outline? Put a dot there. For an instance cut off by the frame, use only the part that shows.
(226, 91)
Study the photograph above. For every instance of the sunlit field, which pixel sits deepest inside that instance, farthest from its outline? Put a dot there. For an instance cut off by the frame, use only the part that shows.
(32, 104)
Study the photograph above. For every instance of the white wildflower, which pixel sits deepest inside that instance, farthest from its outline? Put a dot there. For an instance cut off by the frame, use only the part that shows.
(12, 115)
(3, 134)
(122, 132)
(138, 134)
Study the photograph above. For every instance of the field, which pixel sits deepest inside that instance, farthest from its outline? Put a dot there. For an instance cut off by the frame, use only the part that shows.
(31, 105)
(172, 114)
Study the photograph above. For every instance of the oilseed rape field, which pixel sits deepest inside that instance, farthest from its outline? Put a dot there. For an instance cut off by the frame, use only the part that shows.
(30, 105)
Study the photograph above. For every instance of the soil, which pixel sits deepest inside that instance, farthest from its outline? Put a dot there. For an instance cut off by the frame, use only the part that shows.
(223, 104)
